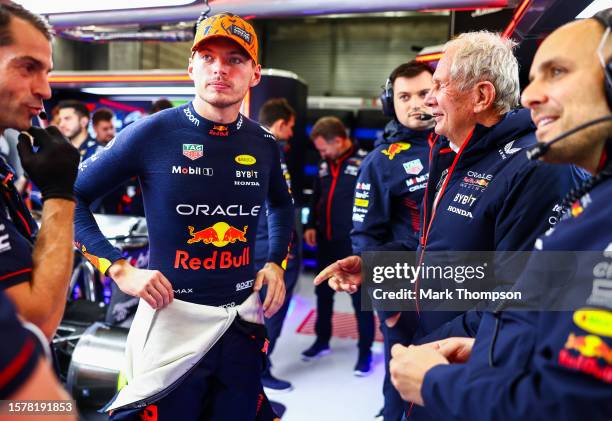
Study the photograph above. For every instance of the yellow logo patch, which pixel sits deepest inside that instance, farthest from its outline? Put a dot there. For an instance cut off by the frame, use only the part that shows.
(594, 321)
(245, 159)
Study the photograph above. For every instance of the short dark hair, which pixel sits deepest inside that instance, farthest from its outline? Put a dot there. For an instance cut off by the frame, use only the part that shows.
(409, 70)
(102, 114)
(328, 128)
(160, 104)
(275, 109)
(9, 10)
(79, 107)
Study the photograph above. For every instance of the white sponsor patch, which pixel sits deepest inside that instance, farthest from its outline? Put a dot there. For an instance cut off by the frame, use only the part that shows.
(458, 211)
(358, 218)
(363, 186)
(4, 240)
(244, 285)
(351, 170)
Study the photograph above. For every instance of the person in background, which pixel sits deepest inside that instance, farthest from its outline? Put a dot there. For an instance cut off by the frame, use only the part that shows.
(73, 123)
(126, 199)
(54, 116)
(389, 192)
(102, 122)
(328, 228)
(279, 117)
(160, 104)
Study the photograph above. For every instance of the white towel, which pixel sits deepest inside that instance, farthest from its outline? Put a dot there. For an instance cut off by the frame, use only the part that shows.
(163, 345)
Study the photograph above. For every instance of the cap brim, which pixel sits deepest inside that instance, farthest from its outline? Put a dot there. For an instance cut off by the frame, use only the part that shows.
(213, 36)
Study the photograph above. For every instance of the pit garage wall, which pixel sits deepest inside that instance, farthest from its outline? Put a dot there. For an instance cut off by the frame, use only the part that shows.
(338, 57)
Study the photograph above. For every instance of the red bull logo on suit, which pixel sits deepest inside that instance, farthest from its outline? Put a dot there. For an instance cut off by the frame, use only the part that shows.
(395, 148)
(219, 235)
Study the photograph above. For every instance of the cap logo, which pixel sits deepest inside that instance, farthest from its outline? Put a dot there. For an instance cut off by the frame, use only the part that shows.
(241, 33)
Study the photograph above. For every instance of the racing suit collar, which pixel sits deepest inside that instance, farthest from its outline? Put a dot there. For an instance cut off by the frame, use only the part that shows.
(212, 128)
(396, 132)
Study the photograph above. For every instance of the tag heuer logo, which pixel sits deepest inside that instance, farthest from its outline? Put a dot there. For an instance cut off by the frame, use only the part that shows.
(193, 151)
(413, 167)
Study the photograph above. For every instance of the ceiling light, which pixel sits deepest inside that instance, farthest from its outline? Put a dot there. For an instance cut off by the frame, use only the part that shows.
(82, 6)
(143, 90)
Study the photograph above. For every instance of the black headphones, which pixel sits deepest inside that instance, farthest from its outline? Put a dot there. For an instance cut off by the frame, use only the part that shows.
(386, 99)
(605, 18)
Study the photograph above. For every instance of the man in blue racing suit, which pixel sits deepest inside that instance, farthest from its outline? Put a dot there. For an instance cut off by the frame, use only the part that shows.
(206, 171)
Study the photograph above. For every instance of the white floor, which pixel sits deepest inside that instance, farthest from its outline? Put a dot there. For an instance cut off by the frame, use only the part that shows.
(325, 389)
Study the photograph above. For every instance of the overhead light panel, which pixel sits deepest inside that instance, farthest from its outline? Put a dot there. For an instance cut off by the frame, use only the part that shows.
(143, 91)
(84, 6)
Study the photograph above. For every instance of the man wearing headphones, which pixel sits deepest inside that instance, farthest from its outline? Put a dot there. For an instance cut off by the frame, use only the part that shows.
(544, 364)
(389, 192)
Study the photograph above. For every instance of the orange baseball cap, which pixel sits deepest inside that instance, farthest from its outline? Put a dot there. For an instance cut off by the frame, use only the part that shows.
(229, 26)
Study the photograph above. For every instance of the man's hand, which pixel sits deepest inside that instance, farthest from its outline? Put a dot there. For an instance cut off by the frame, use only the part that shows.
(408, 367)
(455, 350)
(343, 275)
(310, 236)
(53, 168)
(150, 285)
(273, 276)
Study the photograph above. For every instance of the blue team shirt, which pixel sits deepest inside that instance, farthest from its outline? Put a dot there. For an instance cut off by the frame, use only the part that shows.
(332, 199)
(389, 190)
(543, 364)
(204, 186)
(88, 148)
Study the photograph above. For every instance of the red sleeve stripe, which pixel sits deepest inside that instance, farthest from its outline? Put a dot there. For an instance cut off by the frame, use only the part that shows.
(25, 223)
(18, 363)
(19, 272)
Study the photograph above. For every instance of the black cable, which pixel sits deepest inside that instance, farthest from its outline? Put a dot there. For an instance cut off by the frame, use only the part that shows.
(541, 148)
(202, 17)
